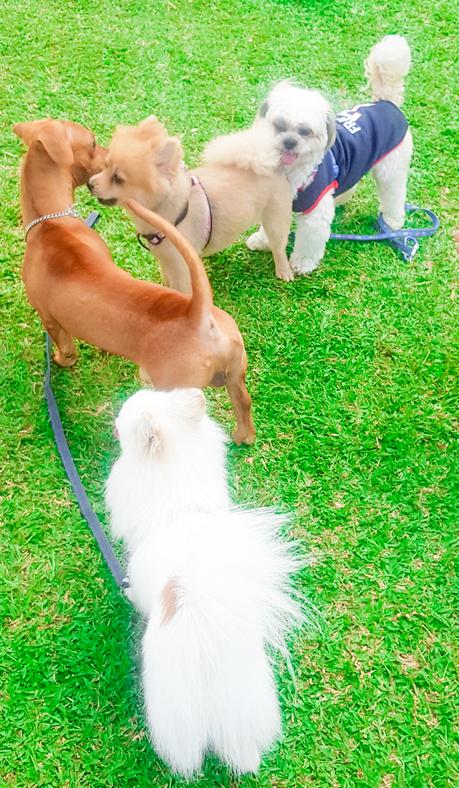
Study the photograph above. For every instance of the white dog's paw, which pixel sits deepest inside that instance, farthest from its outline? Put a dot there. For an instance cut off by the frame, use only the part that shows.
(258, 242)
(303, 265)
(394, 222)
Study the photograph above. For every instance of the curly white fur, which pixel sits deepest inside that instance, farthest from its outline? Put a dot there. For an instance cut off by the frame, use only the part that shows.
(213, 583)
(250, 149)
(386, 68)
(290, 109)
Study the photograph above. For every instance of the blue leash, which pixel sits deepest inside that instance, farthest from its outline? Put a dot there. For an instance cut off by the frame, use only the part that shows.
(86, 509)
(405, 241)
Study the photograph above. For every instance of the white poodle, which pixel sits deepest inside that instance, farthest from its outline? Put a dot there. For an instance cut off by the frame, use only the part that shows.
(212, 581)
(325, 156)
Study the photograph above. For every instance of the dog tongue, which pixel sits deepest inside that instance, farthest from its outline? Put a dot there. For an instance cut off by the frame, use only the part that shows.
(288, 158)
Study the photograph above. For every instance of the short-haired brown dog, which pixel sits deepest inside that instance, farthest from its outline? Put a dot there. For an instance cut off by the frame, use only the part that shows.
(237, 187)
(178, 341)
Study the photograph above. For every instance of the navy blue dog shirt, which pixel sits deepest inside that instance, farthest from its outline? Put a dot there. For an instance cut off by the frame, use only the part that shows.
(364, 135)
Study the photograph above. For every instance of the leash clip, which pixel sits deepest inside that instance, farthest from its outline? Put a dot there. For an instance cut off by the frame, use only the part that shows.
(404, 241)
(408, 246)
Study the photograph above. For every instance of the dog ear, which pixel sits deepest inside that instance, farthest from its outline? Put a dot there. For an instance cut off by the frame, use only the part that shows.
(51, 134)
(151, 436)
(148, 121)
(152, 128)
(27, 131)
(150, 125)
(331, 129)
(263, 110)
(190, 404)
(170, 155)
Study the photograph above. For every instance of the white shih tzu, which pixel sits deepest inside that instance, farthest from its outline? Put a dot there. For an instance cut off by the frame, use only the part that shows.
(212, 581)
(325, 156)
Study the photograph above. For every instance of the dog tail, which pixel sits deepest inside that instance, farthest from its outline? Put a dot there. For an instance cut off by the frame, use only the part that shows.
(207, 674)
(251, 149)
(201, 292)
(386, 68)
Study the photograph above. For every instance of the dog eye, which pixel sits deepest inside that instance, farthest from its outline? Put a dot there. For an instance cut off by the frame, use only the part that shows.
(116, 179)
(280, 126)
(93, 143)
(303, 131)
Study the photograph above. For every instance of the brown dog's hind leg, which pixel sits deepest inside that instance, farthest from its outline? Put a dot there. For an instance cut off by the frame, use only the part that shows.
(65, 354)
(240, 397)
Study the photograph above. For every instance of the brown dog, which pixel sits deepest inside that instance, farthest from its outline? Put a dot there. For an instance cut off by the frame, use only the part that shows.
(238, 186)
(71, 280)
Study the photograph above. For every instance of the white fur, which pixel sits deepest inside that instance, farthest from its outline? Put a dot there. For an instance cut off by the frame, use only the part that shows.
(297, 108)
(250, 149)
(207, 673)
(386, 68)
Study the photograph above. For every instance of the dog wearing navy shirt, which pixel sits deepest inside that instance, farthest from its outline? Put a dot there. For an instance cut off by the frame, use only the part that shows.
(324, 156)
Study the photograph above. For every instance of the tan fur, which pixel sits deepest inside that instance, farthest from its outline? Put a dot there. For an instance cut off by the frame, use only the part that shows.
(147, 161)
(78, 291)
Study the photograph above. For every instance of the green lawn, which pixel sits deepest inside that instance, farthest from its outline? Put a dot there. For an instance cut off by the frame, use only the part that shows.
(353, 377)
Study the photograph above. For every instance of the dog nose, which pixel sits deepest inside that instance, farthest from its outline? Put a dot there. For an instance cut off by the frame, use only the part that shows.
(289, 143)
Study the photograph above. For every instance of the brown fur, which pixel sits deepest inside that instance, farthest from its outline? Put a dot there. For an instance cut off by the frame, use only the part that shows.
(147, 162)
(78, 291)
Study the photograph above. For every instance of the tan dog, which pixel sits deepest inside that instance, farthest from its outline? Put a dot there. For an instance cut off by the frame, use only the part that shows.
(78, 291)
(212, 204)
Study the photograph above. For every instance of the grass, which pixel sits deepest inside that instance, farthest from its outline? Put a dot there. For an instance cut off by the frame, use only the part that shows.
(353, 375)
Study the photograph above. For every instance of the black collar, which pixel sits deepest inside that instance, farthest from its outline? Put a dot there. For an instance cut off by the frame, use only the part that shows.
(154, 239)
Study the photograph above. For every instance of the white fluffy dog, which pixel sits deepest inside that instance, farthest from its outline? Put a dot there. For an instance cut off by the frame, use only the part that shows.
(324, 157)
(213, 583)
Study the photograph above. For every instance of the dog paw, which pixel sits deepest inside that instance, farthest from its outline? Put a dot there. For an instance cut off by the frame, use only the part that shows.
(63, 360)
(286, 274)
(244, 435)
(303, 265)
(257, 242)
(394, 222)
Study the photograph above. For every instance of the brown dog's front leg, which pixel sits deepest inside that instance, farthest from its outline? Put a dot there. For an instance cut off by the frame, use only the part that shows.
(240, 397)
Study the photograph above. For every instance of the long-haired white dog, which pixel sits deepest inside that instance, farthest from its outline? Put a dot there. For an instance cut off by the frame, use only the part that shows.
(324, 157)
(212, 581)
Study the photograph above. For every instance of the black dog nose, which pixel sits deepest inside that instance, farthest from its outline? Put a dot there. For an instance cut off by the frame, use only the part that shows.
(289, 143)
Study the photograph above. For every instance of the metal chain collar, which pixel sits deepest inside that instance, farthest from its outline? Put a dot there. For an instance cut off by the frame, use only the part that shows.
(70, 211)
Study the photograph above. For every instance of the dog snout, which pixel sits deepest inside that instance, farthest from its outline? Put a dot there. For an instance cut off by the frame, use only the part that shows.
(289, 143)
(94, 188)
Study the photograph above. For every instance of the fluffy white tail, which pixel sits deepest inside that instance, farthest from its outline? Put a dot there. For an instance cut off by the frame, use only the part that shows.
(386, 68)
(252, 149)
(208, 678)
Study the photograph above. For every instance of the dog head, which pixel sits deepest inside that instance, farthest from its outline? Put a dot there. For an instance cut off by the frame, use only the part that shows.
(65, 144)
(152, 423)
(141, 163)
(302, 123)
